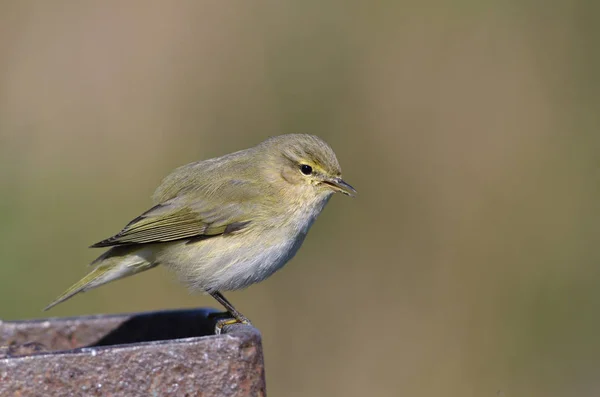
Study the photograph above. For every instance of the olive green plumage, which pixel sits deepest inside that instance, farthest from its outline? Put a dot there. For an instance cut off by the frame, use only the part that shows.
(227, 222)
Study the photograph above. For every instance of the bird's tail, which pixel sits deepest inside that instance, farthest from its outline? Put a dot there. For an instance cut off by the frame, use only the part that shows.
(108, 268)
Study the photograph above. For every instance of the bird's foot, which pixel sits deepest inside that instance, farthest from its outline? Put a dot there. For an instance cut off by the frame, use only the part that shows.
(230, 321)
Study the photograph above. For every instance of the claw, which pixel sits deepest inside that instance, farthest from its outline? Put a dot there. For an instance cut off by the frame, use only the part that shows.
(229, 321)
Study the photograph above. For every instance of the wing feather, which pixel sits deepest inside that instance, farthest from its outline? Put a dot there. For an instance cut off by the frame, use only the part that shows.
(196, 201)
(170, 222)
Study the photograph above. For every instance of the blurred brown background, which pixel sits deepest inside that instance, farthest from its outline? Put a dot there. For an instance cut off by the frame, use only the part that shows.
(467, 266)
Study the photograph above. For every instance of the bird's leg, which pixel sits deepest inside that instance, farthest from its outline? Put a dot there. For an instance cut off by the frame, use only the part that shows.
(232, 310)
(237, 316)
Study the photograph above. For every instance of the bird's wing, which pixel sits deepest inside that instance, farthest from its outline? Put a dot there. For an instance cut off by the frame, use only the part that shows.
(174, 221)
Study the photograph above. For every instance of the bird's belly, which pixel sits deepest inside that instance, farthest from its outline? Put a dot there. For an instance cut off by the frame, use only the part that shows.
(230, 262)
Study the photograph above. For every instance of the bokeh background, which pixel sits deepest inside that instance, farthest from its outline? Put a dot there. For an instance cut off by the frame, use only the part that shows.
(468, 265)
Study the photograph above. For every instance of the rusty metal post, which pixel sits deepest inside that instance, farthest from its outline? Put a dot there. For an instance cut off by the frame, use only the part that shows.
(173, 353)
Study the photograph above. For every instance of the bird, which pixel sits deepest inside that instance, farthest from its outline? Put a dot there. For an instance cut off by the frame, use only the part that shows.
(225, 223)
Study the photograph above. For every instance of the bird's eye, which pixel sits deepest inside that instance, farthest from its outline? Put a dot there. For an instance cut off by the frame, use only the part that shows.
(306, 169)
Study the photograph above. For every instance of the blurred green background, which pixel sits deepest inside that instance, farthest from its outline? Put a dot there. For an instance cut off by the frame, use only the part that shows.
(468, 265)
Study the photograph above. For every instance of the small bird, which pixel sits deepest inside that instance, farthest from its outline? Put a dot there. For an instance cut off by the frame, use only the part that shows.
(225, 223)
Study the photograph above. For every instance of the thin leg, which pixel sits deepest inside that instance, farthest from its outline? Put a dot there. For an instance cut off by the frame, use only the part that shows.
(237, 316)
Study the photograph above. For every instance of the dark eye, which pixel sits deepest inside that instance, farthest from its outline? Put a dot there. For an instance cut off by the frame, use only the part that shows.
(306, 169)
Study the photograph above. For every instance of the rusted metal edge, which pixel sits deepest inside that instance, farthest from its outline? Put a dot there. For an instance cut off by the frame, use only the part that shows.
(154, 353)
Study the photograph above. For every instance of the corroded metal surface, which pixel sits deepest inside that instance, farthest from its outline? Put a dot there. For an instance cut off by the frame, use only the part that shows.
(151, 354)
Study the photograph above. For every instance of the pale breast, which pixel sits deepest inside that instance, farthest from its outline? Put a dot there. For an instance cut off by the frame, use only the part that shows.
(236, 261)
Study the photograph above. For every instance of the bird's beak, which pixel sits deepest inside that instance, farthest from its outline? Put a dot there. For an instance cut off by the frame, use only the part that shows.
(338, 185)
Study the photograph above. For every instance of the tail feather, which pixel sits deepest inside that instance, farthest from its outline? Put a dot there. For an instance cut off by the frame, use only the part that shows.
(105, 272)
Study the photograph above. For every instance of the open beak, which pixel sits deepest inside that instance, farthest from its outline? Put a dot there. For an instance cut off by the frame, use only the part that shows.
(338, 185)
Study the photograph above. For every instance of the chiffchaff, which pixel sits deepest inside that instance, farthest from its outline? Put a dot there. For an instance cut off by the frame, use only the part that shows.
(226, 223)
